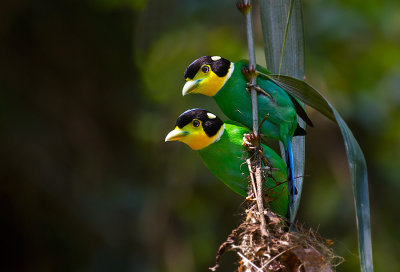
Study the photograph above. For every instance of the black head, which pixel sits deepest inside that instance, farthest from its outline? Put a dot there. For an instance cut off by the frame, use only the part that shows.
(210, 122)
(219, 66)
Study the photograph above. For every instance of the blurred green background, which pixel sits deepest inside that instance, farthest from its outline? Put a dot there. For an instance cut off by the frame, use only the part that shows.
(89, 89)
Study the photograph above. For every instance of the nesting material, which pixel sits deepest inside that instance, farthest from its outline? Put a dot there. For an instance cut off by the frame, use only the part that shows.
(280, 250)
(266, 241)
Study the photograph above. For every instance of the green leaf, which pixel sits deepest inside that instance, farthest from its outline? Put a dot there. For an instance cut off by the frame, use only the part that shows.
(305, 93)
(355, 156)
(282, 28)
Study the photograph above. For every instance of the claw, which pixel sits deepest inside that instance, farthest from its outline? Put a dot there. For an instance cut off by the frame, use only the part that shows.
(249, 72)
(250, 141)
(258, 89)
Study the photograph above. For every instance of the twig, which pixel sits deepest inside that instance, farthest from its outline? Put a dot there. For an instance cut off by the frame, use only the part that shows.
(257, 187)
(259, 195)
(276, 256)
(252, 63)
(250, 262)
(252, 177)
(245, 7)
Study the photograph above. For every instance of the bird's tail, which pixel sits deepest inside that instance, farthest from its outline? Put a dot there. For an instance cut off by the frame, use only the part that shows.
(290, 167)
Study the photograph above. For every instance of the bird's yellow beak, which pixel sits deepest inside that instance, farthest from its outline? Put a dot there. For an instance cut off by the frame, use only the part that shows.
(176, 135)
(190, 86)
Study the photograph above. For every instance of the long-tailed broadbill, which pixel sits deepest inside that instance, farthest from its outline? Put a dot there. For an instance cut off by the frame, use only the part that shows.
(226, 82)
(220, 145)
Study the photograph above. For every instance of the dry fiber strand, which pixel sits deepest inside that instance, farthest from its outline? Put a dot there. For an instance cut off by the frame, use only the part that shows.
(280, 250)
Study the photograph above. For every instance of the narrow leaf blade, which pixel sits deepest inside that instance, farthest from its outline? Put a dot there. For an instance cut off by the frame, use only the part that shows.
(355, 156)
(304, 92)
(283, 34)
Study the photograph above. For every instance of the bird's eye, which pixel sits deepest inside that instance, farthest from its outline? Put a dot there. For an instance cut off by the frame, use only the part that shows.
(196, 123)
(205, 69)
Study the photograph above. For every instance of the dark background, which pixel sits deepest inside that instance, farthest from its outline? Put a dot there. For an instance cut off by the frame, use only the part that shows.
(89, 89)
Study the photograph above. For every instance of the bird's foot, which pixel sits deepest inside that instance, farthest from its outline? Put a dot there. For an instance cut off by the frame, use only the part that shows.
(248, 72)
(258, 89)
(250, 141)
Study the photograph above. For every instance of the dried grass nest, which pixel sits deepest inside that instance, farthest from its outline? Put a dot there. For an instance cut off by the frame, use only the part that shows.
(297, 249)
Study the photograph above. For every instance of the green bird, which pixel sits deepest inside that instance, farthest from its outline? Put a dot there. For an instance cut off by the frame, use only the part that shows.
(220, 145)
(226, 82)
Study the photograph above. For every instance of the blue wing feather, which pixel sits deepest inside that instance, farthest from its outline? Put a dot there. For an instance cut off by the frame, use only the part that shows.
(290, 162)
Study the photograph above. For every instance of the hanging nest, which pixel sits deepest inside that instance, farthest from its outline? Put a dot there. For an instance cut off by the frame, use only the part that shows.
(280, 250)
(270, 242)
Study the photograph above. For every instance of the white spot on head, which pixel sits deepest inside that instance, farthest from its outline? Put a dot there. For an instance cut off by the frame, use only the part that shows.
(215, 58)
(211, 116)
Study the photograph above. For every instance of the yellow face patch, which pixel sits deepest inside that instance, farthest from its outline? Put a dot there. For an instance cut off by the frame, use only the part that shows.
(207, 82)
(193, 135)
